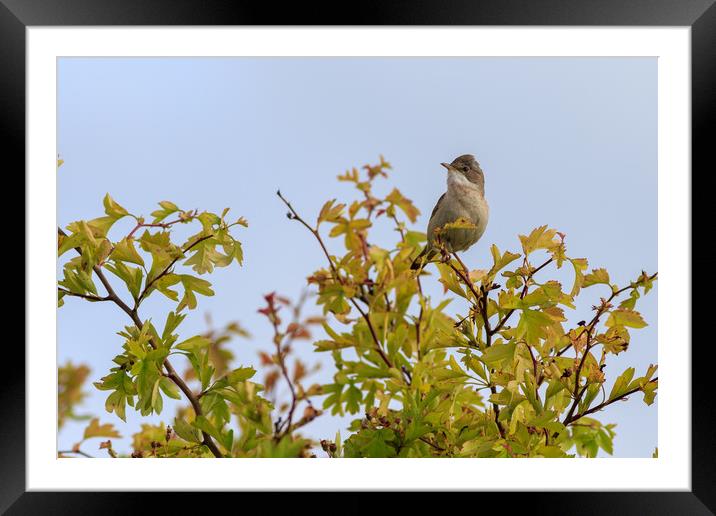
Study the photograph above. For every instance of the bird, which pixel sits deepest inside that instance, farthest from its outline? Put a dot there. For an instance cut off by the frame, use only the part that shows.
(464, 199)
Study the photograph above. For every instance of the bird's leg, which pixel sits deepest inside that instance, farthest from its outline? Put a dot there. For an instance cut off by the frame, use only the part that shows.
(444, 254)
(464, 267)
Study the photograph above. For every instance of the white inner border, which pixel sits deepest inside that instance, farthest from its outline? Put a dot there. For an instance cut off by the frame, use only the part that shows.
(672, 470)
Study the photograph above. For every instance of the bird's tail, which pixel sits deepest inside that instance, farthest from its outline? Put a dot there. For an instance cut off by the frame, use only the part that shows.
(423, 258)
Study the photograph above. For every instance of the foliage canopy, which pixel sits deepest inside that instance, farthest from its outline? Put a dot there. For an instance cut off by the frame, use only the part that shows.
(507, 377)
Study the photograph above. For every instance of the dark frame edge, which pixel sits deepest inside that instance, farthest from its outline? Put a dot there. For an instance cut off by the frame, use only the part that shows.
(12, 107)
(702, 498)
(703, 113)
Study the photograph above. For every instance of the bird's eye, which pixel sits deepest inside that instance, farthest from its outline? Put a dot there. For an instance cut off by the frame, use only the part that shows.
(465, 168)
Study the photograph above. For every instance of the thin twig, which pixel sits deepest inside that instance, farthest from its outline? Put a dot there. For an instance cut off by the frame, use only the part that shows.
(78, 452)
(278, 341)
(163, 225)
(428, 441)
(89, 297)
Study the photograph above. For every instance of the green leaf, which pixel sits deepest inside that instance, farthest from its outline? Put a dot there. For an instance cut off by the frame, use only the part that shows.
(157, 402)
(498, 354)
(125, 251)
(625, 317)
(450, 280)
(116, 402)
(580, 265)
(540, 238)
(193, 284)
(65, 243)
(203, 255)
(595, 277)
(113, 209)
(331, 345)
(162, 285)
(132, 276)
(100, 226)
(193, 344)
(406, 205)
(621, 385)
(532, 325)
(168, 387)
(167, 209)
(649, 390)
(330, 212)
(198, 285)
(500, 261)
(173, 321)
(186, 431)
(240, 374)
(352, 398)
(203, 424)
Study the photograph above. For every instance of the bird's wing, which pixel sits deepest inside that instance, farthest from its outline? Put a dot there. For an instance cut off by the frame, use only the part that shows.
(432, 223)
(437, 205)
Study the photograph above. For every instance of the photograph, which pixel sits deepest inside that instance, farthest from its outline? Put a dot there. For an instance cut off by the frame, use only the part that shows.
(357, 257)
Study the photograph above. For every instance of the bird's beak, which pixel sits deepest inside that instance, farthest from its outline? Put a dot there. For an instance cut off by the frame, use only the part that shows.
(446, 165)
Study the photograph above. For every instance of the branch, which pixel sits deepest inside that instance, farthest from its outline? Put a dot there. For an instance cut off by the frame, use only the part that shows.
(304, 421)
(481, 302)
(611, 298)
(179, 382)
(278, 339)
(89, 297)
(606, 403)
(296, 216)
(465, 278)
(163, 225)
(428, 441)
(171, 372)
(589, 328)
(420, 292)
(111, 294)
(167, 269)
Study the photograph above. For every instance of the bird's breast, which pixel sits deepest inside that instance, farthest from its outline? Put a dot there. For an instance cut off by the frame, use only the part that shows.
(467, 203)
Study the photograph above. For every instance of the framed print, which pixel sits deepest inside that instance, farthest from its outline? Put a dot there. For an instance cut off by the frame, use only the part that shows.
(409, 247)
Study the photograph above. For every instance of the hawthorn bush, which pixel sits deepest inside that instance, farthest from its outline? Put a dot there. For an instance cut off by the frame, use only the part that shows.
(506, 376)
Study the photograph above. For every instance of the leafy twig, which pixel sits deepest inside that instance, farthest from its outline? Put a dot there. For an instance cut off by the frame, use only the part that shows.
(89, 297)
(596, 408)
(171, 372)
(295, 216)
(164, 272)
(527, 279)
(589, 328)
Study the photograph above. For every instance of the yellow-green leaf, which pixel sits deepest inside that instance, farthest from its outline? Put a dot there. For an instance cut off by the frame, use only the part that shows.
(94, 429)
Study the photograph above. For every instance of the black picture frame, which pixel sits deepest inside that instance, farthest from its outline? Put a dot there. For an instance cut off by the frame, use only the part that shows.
(700, 15)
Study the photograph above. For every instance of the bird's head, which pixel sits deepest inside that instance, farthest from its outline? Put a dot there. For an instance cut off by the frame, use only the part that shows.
(467, 166)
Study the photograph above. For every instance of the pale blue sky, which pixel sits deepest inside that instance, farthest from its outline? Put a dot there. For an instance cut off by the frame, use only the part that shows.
(569, 142)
